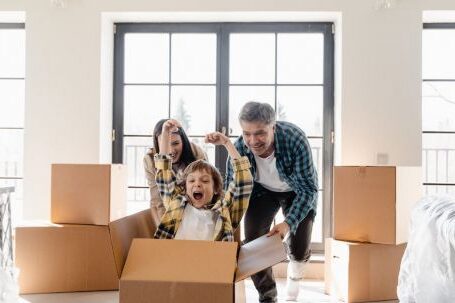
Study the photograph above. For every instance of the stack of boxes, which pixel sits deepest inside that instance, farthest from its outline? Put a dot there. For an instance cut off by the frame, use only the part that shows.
(85, 246)
(372, 208)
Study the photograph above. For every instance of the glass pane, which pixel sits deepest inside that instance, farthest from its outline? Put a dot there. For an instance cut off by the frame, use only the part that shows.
(193, 58)
(302, 105)
(438, 189)
(208, 148)
(239, 95)
(138, 199)
(316, 149)
(438, 158)
(252, 58)
(12, 96)
(316, 235)
(12, 53)
(438, 47)
(144, 107)
(11, 152)
(300, 58)
(194, 107)
(438, 106)
(134, 150)
(16, 198)
(147, 58)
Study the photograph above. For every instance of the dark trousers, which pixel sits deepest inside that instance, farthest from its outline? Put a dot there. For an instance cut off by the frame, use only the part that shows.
(264, 205)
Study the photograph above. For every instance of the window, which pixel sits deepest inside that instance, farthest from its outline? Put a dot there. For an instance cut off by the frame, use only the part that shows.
(438, 108)
(202, 74)
(12, 99)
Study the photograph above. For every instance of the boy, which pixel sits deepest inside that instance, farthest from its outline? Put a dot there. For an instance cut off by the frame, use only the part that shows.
(198, 209)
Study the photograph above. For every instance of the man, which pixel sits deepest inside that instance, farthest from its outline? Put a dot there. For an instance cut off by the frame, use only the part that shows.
(284, 176)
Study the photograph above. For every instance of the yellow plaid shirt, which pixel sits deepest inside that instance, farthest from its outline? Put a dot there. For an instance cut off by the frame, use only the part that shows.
(230, 209)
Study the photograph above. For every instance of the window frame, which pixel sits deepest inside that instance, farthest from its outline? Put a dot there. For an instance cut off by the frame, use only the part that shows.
(6, 26)
(223, 30)
(441, 26)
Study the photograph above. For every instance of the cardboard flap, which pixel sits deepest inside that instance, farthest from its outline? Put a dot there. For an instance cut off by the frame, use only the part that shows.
(187, 261)
(258, 255)
(123, 231)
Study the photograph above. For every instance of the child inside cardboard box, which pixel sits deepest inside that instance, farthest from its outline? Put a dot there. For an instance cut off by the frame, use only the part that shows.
(198, 209)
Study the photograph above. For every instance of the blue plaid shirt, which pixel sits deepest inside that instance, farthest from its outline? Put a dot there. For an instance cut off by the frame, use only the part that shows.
(294, 163)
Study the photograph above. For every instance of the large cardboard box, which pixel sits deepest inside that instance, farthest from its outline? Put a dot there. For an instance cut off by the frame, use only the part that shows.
(193, 271)
(88, 193)
(374, 203)
(362, 272)
(63, 258)
(123, 231)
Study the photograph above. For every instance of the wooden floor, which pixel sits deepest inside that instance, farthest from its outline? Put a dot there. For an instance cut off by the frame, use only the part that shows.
(310, 291)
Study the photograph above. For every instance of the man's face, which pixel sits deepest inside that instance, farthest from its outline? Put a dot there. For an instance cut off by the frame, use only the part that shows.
(259, 137)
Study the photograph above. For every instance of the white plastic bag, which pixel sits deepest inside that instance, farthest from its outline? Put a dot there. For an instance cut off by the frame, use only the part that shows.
(427, 272)
(9, 290)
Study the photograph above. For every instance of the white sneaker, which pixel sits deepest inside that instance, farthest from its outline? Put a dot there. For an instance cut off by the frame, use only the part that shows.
(294, 275)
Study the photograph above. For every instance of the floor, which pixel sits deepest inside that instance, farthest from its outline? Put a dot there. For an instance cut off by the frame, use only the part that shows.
(310, 291)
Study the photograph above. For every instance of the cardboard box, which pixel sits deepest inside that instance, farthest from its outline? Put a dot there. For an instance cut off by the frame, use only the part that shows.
(63, 258)
(193, 271)
(361, 272)
(374, 203)
(88, 193)
(123, 231)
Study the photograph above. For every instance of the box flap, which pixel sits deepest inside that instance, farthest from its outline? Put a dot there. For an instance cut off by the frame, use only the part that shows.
(258, 255)
(180, 261)
(124, 230)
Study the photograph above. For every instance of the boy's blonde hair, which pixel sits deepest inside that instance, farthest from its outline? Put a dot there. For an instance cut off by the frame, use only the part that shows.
(202, 165)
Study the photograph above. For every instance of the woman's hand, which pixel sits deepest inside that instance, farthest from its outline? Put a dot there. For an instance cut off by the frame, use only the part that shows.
(171, 126)
(216, 138)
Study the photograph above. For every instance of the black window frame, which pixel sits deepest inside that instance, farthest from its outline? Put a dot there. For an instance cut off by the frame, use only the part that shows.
(223, 30)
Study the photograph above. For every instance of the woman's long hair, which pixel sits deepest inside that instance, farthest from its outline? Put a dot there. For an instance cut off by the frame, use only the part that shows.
(187, 153)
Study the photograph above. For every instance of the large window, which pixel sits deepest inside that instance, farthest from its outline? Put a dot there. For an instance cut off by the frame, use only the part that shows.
(438, 108)
(202, 74)
(12, 96)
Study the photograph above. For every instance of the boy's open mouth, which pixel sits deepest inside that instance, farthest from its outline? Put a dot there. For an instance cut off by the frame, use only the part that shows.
(197, 195)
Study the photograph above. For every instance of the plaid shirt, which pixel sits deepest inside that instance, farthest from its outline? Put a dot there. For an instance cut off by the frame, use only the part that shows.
(295, 166)
(230, 209)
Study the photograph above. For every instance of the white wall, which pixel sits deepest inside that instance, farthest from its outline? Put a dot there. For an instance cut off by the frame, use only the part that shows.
(68, 77)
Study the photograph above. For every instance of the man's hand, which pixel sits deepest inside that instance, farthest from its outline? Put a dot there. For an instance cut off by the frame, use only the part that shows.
(282, 229)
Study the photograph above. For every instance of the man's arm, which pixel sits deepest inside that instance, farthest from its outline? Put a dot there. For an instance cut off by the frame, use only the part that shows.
(307, 185)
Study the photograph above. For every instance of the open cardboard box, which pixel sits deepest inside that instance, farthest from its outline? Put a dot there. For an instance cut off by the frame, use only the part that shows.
(71, 257)
(193, 271)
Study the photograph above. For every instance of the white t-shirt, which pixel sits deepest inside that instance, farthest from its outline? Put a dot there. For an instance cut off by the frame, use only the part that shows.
(267, 174)
(197, 224)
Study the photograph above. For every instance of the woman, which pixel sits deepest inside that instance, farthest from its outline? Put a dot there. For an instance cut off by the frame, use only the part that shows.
(182, 153)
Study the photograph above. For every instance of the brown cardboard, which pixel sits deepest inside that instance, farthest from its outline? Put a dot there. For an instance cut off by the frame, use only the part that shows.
(123, 231)
(374, 203)
(362, 272)
(65, 258)
(88, 193)
(187, 271)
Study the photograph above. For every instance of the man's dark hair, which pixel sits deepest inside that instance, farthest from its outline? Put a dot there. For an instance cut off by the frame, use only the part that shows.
(257, 112)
